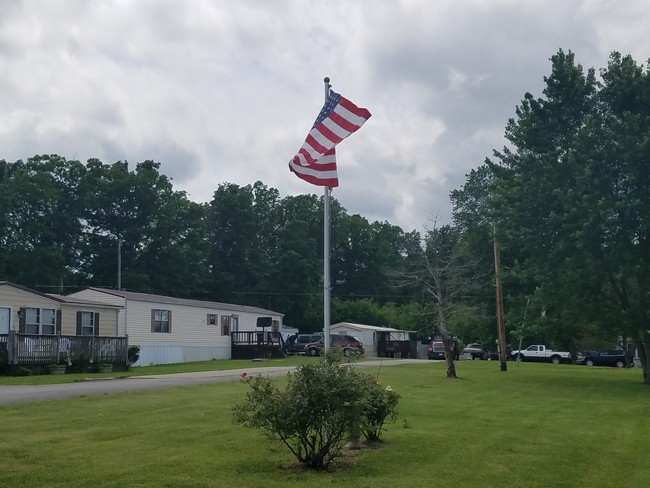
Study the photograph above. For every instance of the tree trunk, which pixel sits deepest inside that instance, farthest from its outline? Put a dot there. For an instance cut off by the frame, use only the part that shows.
(644, 352)
(448, 342)
(450, 354)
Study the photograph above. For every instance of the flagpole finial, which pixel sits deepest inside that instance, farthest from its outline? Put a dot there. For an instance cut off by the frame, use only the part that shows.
(326, 79)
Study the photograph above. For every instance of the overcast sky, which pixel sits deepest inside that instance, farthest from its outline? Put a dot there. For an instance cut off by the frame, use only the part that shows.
(226, 91)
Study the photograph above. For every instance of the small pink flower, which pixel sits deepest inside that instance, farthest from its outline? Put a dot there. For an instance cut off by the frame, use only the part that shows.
(244, 375)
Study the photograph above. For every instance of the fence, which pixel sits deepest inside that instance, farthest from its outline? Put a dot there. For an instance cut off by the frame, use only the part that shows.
(256, 344)
(18, 348)
(405, 349)
(257, 337)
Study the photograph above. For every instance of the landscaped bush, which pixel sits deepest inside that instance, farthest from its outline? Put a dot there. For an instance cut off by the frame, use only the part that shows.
(82, 363)
(133, 354)
(321, 404)
(379, 408)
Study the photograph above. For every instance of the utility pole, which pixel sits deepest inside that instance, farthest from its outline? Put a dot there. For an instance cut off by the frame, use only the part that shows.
(119, 264)
(502, 335)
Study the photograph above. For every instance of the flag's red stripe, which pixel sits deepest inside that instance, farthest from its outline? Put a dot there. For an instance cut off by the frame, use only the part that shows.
(329, 134)
(314, 180)
(311, 162)
(306, 156)
(311, 141)
(358, 111)
(344, 123)
(323, 166)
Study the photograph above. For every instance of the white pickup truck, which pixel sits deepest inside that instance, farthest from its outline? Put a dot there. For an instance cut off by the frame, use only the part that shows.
(540, 354)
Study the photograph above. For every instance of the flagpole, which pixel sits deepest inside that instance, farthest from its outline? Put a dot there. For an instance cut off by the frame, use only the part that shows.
(326, 249)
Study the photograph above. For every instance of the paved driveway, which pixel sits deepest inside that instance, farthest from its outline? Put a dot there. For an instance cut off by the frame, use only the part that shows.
(31, 393)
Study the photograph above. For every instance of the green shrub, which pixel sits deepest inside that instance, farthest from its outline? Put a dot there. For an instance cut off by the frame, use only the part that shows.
(21, 371)
(319, 407)
(133, 354)
(82, 363)
(379, 408)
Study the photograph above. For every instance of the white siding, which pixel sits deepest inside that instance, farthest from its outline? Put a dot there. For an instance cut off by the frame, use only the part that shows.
(189, 326)
(180, 354)
(191, 338)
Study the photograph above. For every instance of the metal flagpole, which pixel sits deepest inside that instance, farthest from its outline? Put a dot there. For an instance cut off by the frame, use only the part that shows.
(326, 249)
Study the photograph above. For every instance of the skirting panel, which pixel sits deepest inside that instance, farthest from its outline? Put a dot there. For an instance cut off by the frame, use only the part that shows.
(150, 355)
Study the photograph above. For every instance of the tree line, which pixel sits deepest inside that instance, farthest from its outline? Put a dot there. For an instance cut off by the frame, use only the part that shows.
(62, 221)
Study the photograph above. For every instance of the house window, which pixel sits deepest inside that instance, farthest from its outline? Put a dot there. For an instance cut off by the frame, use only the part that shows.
(212, 319)
(225, 325)
(275, 327)
(161, 321)
(235, 323)
(40, 321)
(32, 320)
(87, 323)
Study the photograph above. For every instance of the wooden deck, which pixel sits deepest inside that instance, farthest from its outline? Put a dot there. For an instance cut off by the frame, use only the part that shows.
(397, 349)
(257, 344)
(26, 349)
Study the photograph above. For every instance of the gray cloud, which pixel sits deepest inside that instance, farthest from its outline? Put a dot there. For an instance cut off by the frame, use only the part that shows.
(226, 91)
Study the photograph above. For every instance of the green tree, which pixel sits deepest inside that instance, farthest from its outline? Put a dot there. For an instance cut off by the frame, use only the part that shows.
(232, 233)
(570, 196)
(40, 221)
(160, 230)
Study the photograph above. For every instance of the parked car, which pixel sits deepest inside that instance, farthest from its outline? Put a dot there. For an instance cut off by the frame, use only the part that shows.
(296, 343)
(436, 350)
(349, 344)
(476, 351)
(609, 357)
(540, 353)
(493, 355)
(580, 356)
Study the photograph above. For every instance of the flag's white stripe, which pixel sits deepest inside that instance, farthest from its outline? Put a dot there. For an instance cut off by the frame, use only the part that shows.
(320, 159)
(336, 128)
(349, 116)
(311, 151)
(310, 171)
(327, 158)
(321, 139)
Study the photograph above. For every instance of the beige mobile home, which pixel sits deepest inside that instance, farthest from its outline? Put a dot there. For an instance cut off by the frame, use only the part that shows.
(39, 327)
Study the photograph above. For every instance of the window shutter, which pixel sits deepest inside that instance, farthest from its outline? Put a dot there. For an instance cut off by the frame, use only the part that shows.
(96, 322)
(58, 321)
(21, 320)
(78, 323)
(153, 323)
(170, 321)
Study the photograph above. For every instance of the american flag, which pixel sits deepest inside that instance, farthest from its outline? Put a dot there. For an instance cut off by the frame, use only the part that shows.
(316, 159)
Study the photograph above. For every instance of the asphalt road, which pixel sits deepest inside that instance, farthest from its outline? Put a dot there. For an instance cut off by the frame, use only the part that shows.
(31, 393)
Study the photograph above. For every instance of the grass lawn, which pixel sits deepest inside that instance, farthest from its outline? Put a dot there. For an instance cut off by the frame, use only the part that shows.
(216, 365)
(537, 425)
